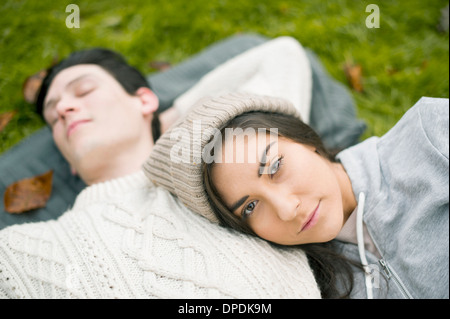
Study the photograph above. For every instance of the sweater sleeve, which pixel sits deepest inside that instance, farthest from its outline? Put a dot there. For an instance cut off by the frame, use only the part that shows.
(10, 285)
(278, 67)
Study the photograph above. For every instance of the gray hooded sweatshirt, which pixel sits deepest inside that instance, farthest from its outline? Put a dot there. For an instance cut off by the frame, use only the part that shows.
(401, 182)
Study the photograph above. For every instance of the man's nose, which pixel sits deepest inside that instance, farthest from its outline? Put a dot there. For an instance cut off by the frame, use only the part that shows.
(66, 106)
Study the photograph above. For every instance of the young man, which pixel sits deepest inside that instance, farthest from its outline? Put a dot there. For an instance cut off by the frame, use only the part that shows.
(102, 114)
(124, 237)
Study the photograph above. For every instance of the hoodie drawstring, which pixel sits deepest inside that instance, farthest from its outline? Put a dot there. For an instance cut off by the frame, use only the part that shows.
(360, 238)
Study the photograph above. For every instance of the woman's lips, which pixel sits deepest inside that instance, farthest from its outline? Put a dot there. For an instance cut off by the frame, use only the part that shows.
(312, 220)
(74, 125)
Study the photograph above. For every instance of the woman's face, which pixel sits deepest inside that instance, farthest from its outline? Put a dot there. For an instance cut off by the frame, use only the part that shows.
(297, 199)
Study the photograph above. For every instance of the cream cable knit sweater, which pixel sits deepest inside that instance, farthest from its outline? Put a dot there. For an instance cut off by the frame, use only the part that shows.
(279, 68)
(127, 238)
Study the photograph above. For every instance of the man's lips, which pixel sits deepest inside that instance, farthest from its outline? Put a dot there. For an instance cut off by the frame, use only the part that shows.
(312, 219)
(74, 125)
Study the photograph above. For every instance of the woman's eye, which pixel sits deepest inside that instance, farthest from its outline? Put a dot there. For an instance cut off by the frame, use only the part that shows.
(276, 166)
(248, 209)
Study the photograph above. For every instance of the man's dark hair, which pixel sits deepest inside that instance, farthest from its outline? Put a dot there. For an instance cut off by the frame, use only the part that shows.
(113, 63)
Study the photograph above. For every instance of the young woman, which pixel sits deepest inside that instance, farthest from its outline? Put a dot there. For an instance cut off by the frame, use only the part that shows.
(373, 220)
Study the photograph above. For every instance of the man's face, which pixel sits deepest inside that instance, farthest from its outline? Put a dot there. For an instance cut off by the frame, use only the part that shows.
(92, 117)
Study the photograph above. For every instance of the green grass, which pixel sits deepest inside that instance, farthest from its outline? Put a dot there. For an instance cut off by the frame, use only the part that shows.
(404, 59)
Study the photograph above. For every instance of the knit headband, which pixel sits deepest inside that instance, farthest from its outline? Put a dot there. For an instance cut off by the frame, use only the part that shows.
(176, 162)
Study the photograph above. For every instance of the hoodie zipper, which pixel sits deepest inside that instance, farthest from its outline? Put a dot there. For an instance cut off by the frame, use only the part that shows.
(392, 275)
(387, 270)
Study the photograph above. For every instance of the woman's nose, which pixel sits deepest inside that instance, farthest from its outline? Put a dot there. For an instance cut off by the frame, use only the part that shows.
(285, 206)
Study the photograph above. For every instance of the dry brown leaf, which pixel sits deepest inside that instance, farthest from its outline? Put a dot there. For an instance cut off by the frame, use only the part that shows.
(354, 76)
(32, 85)
(5, 118)
(28, 193)
(160, 65)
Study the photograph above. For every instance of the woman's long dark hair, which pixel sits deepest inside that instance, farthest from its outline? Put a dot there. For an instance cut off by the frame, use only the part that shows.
(333, 272)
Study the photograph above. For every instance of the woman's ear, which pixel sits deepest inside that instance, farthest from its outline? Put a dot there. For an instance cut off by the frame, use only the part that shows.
(149, 100)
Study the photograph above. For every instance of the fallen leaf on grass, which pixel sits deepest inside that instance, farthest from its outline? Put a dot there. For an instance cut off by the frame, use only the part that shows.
(5, 118)
(354, 76)
(160, 65)
(28, 193)
(32, 85)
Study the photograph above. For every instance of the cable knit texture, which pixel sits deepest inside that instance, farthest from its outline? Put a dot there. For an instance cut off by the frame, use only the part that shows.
(127, 238)
(279, 67)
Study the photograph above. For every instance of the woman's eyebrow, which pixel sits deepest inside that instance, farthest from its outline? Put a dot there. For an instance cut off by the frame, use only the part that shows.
(263, 161)
(238, 203)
